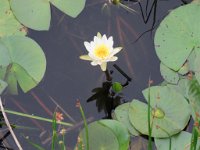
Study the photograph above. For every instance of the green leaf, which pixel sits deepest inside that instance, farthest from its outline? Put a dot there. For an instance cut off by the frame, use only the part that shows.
(34, 14)
(121, 114)
(100, 137)
(107, 135)
(168, 74)
(27, 63)
(69, 7)
(177, 35)
(180, 141)
(8, 23)
(170, 112)
(120, 132)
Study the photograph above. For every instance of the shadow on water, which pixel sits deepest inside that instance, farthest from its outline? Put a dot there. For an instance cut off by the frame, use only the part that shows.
(68, 78)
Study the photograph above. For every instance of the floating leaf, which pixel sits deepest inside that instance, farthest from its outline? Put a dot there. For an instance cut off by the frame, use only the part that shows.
(179, 141)
(8, 23)
(168, 74)
(170, 112)
(27, 63)
(36, 14)
(106, 135)
(177, 35)
(121, 114)
(69, 7)
(184, 69)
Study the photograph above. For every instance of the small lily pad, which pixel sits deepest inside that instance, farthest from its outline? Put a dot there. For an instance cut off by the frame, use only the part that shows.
(106, 135)
(9, 25)
(170, 112)
(179, 141)
(27, 63)
(177, 35)
(168, 74)
(121, 114)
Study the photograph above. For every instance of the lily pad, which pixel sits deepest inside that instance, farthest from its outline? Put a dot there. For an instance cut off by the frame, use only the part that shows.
(121, 114)
(177, 35)
(179, 141)
(9, 25)
(27, 63)
(106, 135)
(168, 74)
(36, 14)
(170, 112)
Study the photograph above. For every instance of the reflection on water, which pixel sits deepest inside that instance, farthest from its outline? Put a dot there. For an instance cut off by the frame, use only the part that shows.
(68, 78)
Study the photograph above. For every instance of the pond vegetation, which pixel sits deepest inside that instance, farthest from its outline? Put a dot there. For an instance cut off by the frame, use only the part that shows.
(166, 112)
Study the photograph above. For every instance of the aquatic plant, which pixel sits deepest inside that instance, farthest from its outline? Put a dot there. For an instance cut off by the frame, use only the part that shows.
(37, 13)
(101, 51)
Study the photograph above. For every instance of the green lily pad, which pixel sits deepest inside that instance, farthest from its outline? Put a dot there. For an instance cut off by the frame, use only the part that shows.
(197, 66)
(69, 7)
(27, 63)
(8, 23)
(168, 74)
(170, 112)
(36, 14)
(177, 35)
(121, 114)
(179, 141)
(106, 135)
(3, 86)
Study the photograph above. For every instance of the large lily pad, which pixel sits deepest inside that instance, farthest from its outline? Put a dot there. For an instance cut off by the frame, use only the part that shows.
(177, 35)
(168, 74)
(170, 112)
(8, 23)
(106, 135)
(180, 141)
(27, 63)
(121, 114)
(36, 14)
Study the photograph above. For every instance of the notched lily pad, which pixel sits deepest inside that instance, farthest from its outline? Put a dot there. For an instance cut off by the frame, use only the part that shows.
(170, 112)
(9, 25)
(177, 35)
(27, 63)
(3, 86)
(36, 14)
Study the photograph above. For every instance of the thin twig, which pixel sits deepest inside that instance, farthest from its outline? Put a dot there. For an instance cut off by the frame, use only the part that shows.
(9, 126)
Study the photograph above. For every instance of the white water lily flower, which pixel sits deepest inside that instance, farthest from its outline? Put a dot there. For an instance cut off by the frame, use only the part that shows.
(101, 51)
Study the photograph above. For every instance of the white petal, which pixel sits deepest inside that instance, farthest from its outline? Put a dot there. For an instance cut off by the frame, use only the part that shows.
(93, 63)
(87, 46)
(116, 50)
(110, 41)
(103, 66)
(114, 58)
(104, 38)
(96, 39)
(99, 35)
(85, 57)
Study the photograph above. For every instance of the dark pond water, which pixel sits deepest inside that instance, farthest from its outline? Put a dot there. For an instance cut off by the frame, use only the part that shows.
(68, 78)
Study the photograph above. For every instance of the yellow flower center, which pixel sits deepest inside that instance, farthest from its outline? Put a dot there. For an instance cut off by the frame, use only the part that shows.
(101, 51)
